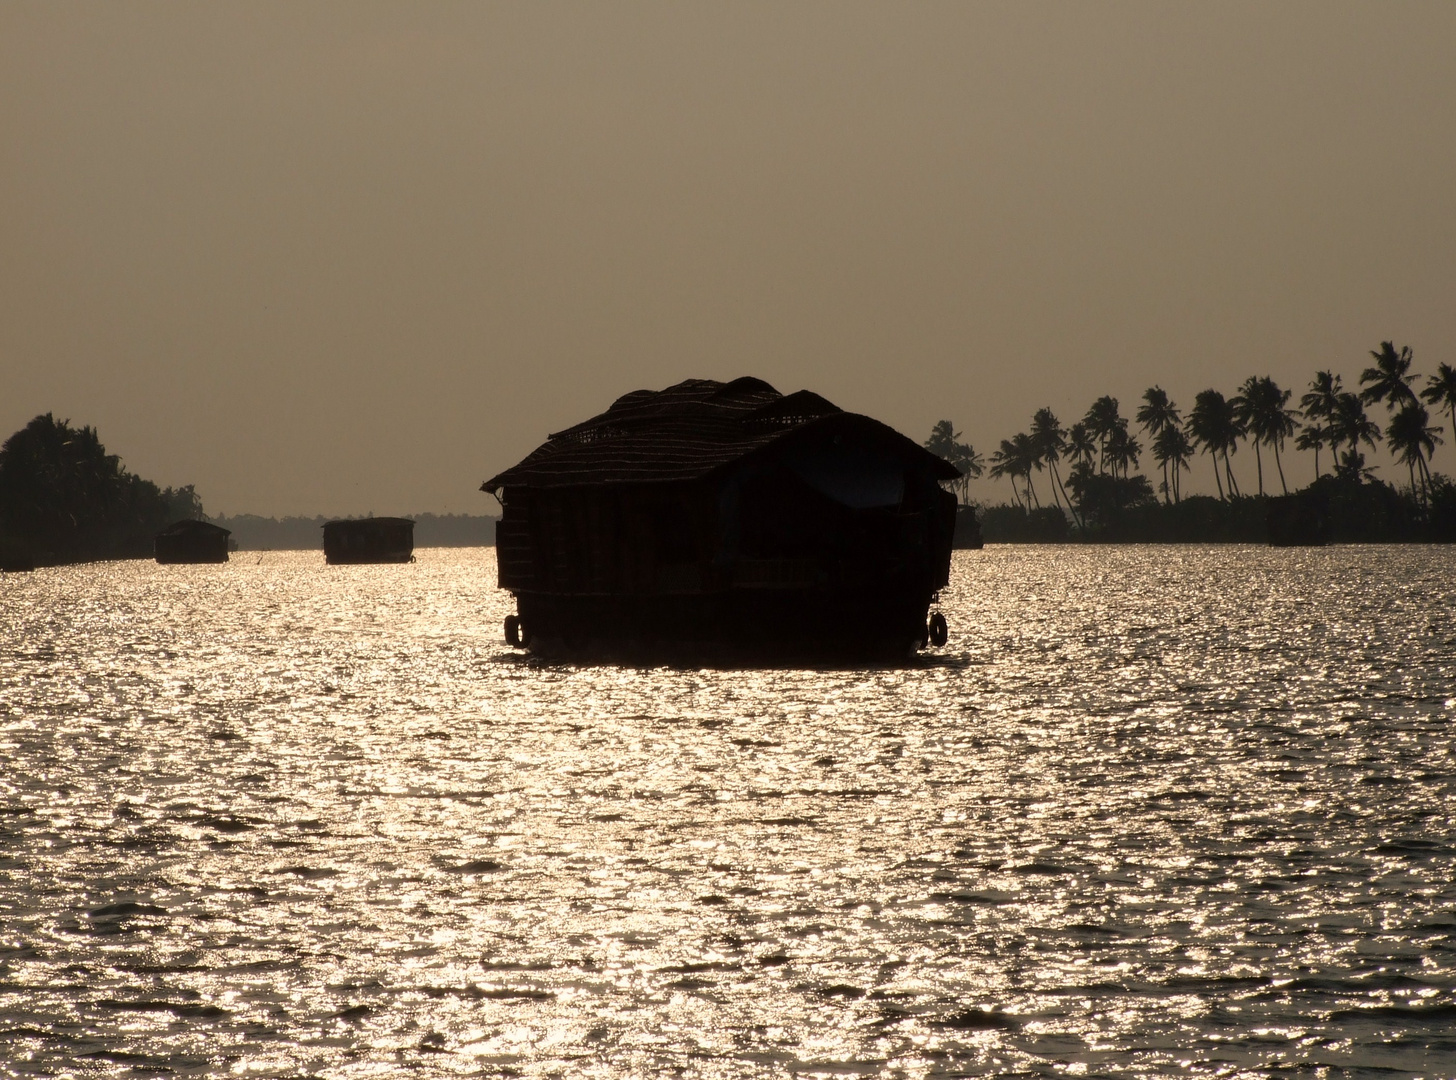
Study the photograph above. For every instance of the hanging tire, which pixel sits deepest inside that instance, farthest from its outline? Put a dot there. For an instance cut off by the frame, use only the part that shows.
(938, 632)
(513, 631)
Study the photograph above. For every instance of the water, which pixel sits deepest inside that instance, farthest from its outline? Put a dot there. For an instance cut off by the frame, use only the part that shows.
(1154, 811)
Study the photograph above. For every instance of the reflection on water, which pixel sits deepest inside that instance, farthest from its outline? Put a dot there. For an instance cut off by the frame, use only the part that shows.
(1154, 810)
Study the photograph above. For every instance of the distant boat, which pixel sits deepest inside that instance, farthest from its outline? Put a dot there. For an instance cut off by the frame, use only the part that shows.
(369, 540)
(725, 520)
(191, 542)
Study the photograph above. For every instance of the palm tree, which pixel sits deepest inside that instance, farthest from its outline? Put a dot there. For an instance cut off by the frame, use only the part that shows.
(1002, 462)
(1102, 420)
(1351, 466)
(1026, 459)
(1388, 380)
(1156, 416)
(1203, 431)
(1349, 424)
(1173, 447)
(943, 442)
(972, 466)
(1050, 442)
(1319, 406)
(942, 439)
(1214, 424)
(1158, 411)
(1413, 440)
(1122, 449)
(1262, 409)
(1280, 423)
(1313, 437)
(1246, 407)
(1080, 446)
(1441, 391)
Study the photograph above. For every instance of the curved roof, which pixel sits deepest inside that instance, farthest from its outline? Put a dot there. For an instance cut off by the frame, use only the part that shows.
(687, 431)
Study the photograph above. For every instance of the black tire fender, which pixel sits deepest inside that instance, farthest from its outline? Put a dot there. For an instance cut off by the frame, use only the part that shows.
(938, 631)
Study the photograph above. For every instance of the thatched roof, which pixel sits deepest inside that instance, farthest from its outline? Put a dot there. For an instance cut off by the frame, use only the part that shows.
(687, 431)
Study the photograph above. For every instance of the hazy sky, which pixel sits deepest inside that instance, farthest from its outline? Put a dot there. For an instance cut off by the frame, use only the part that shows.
(341, 257)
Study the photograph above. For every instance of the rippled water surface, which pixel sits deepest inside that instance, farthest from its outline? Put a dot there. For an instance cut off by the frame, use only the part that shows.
(1153, 811)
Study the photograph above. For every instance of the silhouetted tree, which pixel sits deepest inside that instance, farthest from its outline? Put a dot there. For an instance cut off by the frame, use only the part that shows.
(1319, 408)
(1413, 440)
(1389, 380)
(1172, 447)
(1351, 466)
(1261, 408)
(1280, 423)
(1440, 391)
(944, 442)
(1349, 425)
(1313, 437)
(1157, 415)
(1214, 425)
(64, 498)
(1122, 450)
(1157, 411)
(1026, 460)
(1004, 462)
(1080, 444)
(1049, 442)
(1105, 499)
(1102, 420)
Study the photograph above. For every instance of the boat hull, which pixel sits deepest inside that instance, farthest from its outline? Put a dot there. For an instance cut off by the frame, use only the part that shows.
(733, 626)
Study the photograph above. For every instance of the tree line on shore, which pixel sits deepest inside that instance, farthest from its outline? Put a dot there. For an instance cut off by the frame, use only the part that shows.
(64, 499)
(1102, 494)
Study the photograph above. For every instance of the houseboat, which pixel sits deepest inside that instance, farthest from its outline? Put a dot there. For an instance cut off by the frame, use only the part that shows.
(369, 540)
(191, 542)
(725, 521)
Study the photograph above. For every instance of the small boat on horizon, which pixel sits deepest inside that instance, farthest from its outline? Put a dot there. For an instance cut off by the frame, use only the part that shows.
(191, 541)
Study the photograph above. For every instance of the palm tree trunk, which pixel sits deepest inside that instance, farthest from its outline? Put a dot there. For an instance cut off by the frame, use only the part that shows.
(1259, 461)
(1031, 488)
(1228, 472)
(1316, 462)
(1057, 477)
(1280, 466)
(1055, 498)
(1216, 478)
